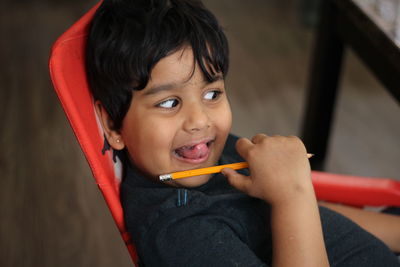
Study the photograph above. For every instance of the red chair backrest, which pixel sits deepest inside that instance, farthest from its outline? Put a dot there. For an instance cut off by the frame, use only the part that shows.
(67, 71)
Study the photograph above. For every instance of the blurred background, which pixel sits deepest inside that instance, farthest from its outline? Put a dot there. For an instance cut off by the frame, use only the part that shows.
(51, 211)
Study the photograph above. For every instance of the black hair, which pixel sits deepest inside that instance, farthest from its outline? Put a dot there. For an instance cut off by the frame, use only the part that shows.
(128, 37)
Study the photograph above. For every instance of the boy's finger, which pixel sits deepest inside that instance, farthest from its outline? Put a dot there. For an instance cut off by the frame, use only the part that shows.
(242, 146)
(258, 138)
(236, 179)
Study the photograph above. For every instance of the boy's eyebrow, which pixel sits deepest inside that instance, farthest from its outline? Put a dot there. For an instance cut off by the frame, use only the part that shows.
(160, 88)
(168, 86)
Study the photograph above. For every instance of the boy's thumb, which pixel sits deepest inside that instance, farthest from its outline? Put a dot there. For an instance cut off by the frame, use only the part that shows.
(236, 179)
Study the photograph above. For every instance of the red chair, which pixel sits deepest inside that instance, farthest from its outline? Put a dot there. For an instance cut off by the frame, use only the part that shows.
(67, 70)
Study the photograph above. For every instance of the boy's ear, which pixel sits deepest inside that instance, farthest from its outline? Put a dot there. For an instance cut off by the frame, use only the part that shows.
(113, 136)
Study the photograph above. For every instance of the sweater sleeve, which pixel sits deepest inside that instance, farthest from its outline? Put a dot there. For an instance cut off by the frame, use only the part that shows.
(198, 240)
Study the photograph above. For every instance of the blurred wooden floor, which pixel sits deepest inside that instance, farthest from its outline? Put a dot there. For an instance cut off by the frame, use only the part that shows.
(51, 212)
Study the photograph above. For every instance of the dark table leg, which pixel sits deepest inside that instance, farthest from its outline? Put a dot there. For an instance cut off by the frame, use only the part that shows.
(325, 74)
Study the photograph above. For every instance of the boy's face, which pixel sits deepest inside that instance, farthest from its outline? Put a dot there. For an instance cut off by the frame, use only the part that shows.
(178, 122)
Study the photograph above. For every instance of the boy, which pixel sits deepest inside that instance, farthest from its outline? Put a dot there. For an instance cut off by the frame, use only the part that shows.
(156, 69)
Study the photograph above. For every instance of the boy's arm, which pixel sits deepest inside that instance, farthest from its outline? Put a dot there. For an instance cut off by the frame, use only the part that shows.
(297, 234)
(384, 226)
(280, 175)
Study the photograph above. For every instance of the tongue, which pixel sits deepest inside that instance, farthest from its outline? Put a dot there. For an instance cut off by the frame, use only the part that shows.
(194, 152)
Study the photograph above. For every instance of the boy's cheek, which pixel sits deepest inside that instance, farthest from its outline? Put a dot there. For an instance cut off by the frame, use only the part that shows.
(149, 163)
(224, 119)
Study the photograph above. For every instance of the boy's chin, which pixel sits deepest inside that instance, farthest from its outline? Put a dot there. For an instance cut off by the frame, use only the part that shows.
(190, 182)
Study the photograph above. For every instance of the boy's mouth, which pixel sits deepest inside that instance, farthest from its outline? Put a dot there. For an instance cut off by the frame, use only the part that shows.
(195, 153)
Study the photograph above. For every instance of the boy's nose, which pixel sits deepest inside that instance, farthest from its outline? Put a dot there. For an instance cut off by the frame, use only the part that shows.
(196, 119)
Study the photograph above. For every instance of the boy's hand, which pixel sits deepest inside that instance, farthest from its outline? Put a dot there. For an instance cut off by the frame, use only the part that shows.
(279, 167)
(280, 175)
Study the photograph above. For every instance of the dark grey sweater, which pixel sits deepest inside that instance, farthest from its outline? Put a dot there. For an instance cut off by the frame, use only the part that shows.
(216, 225)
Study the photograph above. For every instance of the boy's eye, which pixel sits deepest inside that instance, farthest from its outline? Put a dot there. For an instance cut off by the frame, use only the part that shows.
(169, 103)
(212, 95)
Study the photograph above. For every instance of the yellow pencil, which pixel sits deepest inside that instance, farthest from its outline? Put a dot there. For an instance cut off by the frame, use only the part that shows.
(203, 171)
